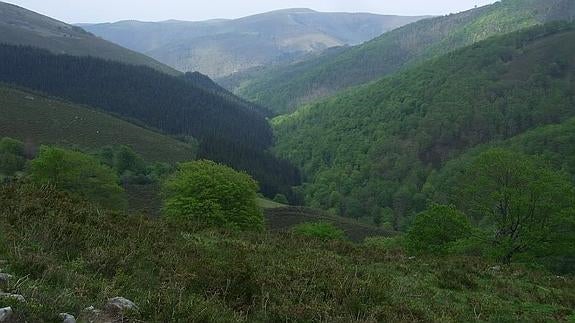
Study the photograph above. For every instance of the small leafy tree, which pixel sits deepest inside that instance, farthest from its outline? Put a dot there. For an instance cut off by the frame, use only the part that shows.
(280, 198)
(436, 229)
(80, 174)
(518, 197)
(208, 193)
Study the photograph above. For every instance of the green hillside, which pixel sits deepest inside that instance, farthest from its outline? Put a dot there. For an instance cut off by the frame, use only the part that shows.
(37, 119)
(375, 146)
(222, 47)
(283, 89)
(67, 256)
(19, 26)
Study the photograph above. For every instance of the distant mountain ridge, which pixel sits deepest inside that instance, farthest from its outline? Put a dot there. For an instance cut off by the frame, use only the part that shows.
(19, 26)
(222, 47)
(285, 88)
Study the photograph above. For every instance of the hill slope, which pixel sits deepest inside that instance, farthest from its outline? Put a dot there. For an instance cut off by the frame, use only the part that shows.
(222, 47)
(19, 26)
(377, 144)
(37, 120)
(228, 130)
(284, 88)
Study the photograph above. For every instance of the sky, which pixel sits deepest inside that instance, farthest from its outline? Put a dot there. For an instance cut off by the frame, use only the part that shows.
(91, 11)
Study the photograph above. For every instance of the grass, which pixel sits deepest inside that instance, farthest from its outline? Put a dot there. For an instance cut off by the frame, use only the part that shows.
(75, 256)
(37, 120)
(269, 204)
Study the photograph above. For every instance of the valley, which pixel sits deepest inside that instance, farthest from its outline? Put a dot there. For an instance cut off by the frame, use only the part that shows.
(298, 164)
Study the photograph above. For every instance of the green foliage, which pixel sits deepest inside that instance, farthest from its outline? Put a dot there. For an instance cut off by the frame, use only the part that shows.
(516, 196)
(79, 174)
(11, 157)
(41, 120)
(319, 230)
(374, 147)
(436, 229)
(281, 199)
(208, 193)
(67, 255)
(286, 88)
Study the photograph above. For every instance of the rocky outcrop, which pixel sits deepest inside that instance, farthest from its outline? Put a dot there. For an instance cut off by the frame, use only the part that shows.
(6, 314)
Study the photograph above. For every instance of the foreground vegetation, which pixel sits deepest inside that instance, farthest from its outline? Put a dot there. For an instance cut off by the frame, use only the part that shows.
(71, 255)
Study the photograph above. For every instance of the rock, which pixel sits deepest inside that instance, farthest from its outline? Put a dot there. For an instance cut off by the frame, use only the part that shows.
(120, 304)
(5, 314)
(17, 297)
(495, 268)
(4, 278)
(67, 318)
(411, 258)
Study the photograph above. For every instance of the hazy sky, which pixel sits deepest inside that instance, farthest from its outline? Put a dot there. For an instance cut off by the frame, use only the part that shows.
(74, 11)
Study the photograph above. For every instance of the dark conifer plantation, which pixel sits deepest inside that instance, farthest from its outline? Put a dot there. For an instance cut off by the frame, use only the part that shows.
(229, 129)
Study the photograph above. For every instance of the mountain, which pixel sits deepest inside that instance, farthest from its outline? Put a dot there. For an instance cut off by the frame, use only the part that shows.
(228, 130)
(286, 87)
(39, 120)
(222, 47)
(19, 26)
(369, 151)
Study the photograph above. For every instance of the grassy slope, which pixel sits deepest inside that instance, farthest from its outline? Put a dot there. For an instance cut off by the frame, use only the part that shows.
(19, 26)
(74, 256)
(392, 134)
(283, 89)
(40, 120)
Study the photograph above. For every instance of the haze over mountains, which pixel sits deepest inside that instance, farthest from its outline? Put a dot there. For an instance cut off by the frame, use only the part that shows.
(286, 87)
(19, 26)
(222, 47)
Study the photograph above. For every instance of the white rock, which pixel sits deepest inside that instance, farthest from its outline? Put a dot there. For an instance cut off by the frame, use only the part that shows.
(121, 304)
(5, 314)
(17, 297)
(4, 278)
(67, 318)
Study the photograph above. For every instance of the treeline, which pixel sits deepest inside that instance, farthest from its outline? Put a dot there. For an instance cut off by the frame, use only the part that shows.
(370, 152)
(161, 101)
(180, 106)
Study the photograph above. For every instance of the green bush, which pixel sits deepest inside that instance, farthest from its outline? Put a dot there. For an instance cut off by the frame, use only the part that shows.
(79, 174)
(320, 230)
(211, 194)
(436, 229)
(280, 198)
(11, 156)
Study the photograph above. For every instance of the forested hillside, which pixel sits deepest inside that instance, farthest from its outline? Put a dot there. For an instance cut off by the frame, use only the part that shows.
(171, 104)
(19, 26)
(222, 47)
(369, 152)
(285, 88)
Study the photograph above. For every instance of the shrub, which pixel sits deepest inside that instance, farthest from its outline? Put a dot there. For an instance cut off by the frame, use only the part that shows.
(11, 156)
(436, 229)
(211, 194)
(79, 174)
(280, 198)
(320, 230)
